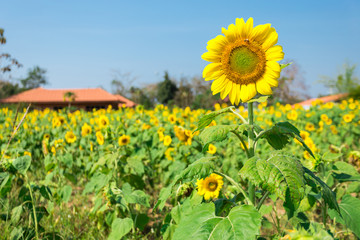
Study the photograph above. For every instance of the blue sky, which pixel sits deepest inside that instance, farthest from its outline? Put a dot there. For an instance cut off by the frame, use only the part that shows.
(82, 43)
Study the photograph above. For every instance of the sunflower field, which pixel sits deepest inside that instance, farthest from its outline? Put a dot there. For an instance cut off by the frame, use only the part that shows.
(254, 171)
(147, 174)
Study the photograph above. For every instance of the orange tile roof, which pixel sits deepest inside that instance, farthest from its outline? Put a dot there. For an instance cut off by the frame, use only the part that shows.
(324, 99)
(83, 95)
(127, 102)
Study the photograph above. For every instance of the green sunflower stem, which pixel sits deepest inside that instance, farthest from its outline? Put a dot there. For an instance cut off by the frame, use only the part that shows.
(238, 187)
(251, 141)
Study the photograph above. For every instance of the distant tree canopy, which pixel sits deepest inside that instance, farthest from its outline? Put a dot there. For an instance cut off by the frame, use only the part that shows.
(345, 82)
(291, 88)
(36, 78)
(7, 63)
(166, 90)
(122, 82)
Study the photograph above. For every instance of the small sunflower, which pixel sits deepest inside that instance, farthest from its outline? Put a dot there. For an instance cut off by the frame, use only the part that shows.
(103, 121)
(168, 154)
(212, 149)
(70, 137)
(85, 130)
(244, 61)
(124, 140)
(26, 153)
(210, 186)
(167, 140)
(100, 138)
(348, 117)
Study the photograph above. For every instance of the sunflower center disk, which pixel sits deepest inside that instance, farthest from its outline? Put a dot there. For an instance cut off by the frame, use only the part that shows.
(244, 62)
(212, 186)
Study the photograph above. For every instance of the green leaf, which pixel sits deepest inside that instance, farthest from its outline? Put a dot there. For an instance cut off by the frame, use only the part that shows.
(165, 193)
(350, 212)
(120, 227)
(259, 100)
(282, 66)
(16, 214)
(215, 133)
(138, 197)
(243, 222)
(45, 192)
(199, 169)
(208, 118)
(141, 221)
(97, 181)
(136, 164)
(22, 164)
(279, 134)
(278, 168)
(328, 195)
(16, 233)
(66, 193)
(4, 177)
(343, 171)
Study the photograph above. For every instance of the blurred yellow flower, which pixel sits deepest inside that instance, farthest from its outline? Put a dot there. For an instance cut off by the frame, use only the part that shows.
(212, 149)
(103, 121)
(26, 153)
(124, 140)
(99, 138)
(168, 154)
(348, 117)
(167, 140)
(85, 130)
(70, 137)
(309, 127)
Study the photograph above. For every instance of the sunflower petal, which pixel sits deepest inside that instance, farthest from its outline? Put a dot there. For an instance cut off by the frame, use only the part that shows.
(272, 82)
(211, 57)
(238, 91)
(218, 85)
(270, 40)
(263, 87)
(214, 75)
(210, 69)
(248, 92)
(275, 53)
(248, 28)
(269, 72)
(217, 44)
(275, 66)
(259, 33)
(231, 33)
(232, 95)
(226, 90)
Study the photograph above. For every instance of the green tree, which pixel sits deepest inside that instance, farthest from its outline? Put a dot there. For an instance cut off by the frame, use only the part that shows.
(70, 97)
(122, 83)
(7, 63)
(166, 90)
(345, 82)
(36, 77)
(140, 97)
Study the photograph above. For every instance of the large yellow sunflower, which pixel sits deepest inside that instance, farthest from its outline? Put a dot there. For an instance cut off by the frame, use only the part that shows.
(244, 61)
